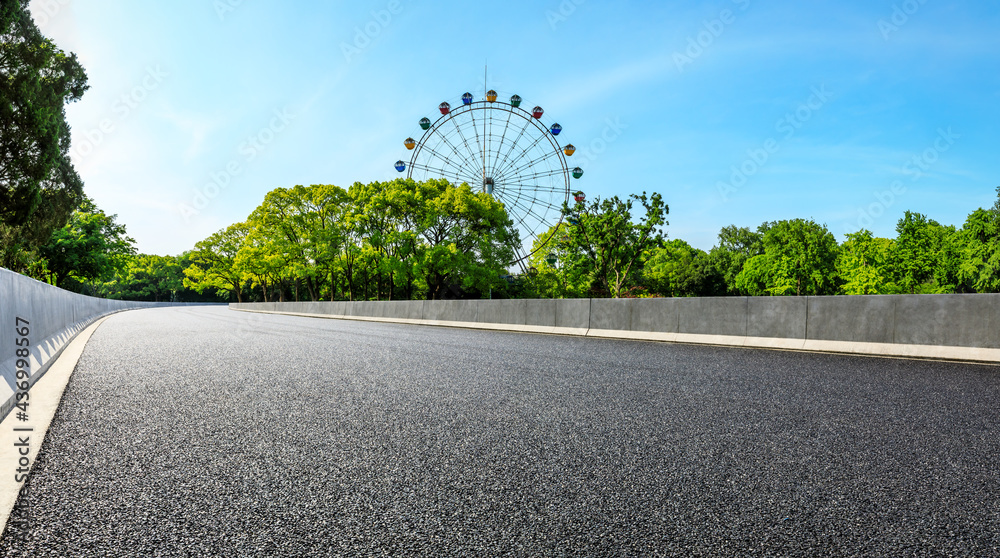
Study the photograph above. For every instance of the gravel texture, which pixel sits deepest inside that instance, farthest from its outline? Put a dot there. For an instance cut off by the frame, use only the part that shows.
(208, 432)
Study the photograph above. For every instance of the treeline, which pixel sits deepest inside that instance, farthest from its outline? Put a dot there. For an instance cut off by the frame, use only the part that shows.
(92, 254)
(404, 240)
(792, 257)
(379, 241)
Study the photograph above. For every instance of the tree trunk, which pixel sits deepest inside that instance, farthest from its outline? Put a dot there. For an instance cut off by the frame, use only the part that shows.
(313, 289)
(350, 279)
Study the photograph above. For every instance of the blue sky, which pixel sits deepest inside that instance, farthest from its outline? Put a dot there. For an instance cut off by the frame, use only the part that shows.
(737, 111)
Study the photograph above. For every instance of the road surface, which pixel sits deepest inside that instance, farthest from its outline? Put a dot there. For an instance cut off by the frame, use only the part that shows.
(208, 432)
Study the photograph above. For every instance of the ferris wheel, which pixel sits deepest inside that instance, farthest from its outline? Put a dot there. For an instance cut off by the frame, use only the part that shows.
(503, 150)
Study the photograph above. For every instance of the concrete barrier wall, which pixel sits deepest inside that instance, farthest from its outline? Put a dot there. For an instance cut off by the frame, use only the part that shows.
(54, 316)
(904, 325)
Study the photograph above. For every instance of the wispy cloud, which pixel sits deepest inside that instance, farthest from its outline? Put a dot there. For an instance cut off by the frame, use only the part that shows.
(587, 89)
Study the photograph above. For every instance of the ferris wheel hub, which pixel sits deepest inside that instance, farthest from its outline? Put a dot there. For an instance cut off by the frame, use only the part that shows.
(488, 185)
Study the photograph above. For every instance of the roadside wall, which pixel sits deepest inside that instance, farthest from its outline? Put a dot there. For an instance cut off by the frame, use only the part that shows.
(964, 327)
(54, 316)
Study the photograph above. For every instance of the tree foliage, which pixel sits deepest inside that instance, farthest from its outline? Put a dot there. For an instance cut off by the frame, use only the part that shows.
(925, 256)
(602, 237)
(979, 267)
(863, 264)
(213, 263)
(383, 240)
(146, 277)
(92, 246)
(39, 187)
(407, 240)
(736, 246)
(676, 269)
(799, 259)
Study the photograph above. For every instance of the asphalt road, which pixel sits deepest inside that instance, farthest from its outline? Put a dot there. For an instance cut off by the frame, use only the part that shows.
(207, 432)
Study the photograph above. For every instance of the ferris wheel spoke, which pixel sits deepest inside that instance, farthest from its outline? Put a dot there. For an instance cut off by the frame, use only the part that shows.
(524, 210)
(537, 175)
(530, 210)
(448, 162)
(510, 163)
(481, 146)
(548, 205)
(445, 173)
(465, 142)
(455, 150)
(472, 115)
(489, 149)
(503, 136)
(530, 187)
(513, 144)
(530, 231)
(530, 164)
(535, 187)
(521, 255)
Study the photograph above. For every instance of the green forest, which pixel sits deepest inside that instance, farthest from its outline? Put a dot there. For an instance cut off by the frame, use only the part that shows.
(403, 240)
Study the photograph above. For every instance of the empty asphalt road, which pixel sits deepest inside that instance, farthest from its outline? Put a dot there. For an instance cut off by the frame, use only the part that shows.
(208, 432)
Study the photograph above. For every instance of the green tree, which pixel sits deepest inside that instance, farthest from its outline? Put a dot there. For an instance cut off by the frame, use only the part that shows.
(913, 253)
(862, 264)
(213, 263)
(569, 276)
(38, 186)
(926, 256)
(947, 270)
(736, 246)
(676, 269)
(386, 219)
(146, 277)
(700, 277)
(467, 239)
(259, 262)
(799, 259)
(605, 235)
(301, 224)
(979, 241)
(91, 247)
